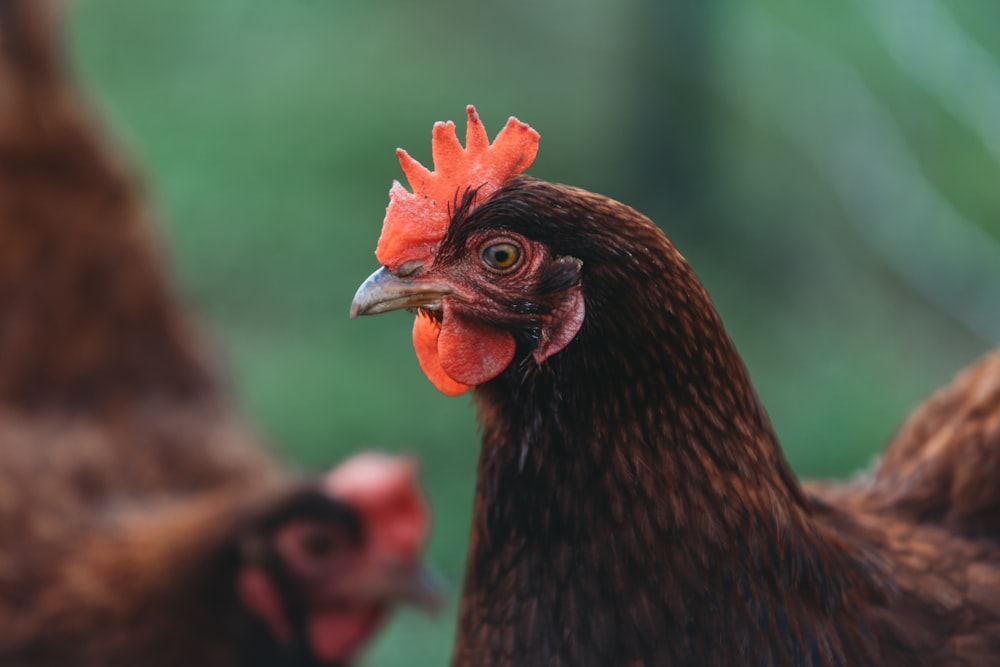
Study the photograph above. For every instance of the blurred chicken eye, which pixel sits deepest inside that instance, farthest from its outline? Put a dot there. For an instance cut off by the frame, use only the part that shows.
(502, 255)
(318, 543)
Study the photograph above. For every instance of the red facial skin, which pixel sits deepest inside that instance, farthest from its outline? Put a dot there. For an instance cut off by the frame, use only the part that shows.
(468, 346)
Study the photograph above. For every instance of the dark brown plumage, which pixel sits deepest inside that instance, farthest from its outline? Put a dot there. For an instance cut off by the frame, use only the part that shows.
(141, 523)
(633, 505)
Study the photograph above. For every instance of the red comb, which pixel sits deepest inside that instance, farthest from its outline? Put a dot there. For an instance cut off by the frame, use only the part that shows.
(415, 223)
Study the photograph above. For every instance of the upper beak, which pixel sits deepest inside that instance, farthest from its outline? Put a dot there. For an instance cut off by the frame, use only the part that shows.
(410, 583)
(385, 291)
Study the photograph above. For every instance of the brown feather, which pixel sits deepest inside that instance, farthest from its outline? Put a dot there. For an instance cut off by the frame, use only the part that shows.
(944, 464)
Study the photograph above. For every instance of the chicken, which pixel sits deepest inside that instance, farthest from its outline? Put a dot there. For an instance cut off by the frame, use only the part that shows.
(633, 505)
(141, 523)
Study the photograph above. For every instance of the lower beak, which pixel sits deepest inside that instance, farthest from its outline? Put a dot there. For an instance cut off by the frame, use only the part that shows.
(422, 589)
(384, 291)
(413, 584)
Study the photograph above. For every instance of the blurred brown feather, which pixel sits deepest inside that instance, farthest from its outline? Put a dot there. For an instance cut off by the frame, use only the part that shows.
(944, 464)
(141, 522)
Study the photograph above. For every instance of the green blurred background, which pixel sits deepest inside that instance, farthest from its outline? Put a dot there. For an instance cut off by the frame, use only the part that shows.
(831, 170)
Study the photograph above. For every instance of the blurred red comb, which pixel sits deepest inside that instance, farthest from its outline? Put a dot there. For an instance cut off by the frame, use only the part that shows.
(415, 223)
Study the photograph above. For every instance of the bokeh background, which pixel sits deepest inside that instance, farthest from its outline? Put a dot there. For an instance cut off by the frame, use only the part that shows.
(832, 170)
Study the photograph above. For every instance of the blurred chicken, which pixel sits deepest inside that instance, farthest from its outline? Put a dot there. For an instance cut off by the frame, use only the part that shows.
(633, 504)
(140, 521)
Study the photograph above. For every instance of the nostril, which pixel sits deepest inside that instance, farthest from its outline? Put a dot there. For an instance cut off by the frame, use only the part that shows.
(408, 269)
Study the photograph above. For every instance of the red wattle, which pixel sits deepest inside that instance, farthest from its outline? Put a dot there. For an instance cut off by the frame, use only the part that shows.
(335, 635)
(461, 352)
(425, 341)
(472, 352)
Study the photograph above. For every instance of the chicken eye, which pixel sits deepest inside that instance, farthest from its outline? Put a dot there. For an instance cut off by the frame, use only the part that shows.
(318, 543)
(501, 255)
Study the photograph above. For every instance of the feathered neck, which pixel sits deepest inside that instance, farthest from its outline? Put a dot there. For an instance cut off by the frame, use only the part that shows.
(632, 496)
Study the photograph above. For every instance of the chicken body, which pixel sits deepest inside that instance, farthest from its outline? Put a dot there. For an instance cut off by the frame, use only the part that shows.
(633, 506)
(141, 523)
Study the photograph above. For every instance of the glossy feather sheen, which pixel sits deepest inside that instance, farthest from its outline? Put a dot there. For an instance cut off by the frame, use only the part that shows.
(633, 506)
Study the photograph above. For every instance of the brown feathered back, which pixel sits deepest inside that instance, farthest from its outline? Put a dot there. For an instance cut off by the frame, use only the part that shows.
(944, 463)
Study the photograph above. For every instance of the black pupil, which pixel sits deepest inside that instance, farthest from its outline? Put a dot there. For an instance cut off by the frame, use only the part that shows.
(318, 543)
(501, 256)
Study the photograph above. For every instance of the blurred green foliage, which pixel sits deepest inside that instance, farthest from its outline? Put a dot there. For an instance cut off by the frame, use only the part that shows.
(831, 170)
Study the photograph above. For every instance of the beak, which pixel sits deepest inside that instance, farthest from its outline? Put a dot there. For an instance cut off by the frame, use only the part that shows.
(385, 291)
(423, 589)
(412, 584)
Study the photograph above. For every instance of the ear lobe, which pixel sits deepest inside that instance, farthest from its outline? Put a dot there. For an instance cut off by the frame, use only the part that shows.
(565, 324)
(263, 599)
